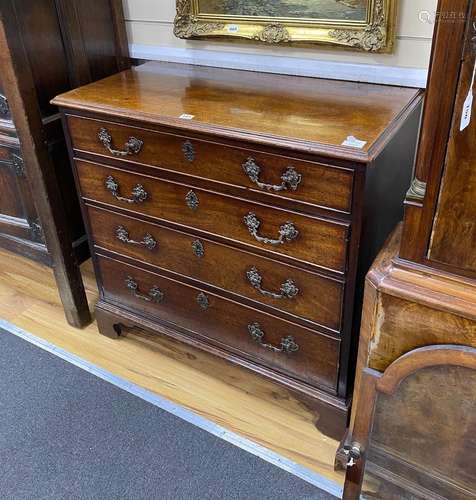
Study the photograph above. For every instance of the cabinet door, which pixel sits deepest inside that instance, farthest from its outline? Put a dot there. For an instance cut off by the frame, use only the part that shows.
(18, 218)
(453, 238)
(414, 428)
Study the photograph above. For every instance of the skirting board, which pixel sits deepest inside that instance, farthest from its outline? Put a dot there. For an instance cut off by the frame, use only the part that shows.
(368, 73)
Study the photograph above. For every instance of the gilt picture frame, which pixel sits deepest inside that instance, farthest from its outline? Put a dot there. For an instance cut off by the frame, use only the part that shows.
(366, 25)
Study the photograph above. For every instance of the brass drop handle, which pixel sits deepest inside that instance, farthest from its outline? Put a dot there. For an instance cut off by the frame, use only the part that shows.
(290, 178)
(148, 241)
(288, 289)
(133, 146)
(288, 344)
(4, 108)
(139, 194)
(153, 295)
(15, 164)
(203, 301)
(287, 231)
(353, 452)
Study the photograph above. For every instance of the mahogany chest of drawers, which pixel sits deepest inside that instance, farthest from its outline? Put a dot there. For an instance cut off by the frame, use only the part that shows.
(236, 211)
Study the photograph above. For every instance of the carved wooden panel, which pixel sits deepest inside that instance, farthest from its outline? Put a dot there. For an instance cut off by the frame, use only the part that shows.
(414, 429)
(424, 435)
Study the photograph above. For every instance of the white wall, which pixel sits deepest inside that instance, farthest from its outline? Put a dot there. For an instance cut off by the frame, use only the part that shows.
(150, 29)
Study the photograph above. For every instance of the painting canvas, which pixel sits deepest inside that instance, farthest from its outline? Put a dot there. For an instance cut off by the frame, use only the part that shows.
(326, 10)
(359, 24)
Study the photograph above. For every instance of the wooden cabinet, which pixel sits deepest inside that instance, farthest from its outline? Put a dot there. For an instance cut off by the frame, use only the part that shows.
(19, 223)
(225, 209)
(440, 227)
(48, 47)
(413, 416)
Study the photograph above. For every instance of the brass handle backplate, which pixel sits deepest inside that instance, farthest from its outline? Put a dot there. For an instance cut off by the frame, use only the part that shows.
(192, 200)
(289, 180)
(153, 295)
(198, 249)
(188, 151)
(139, 194)
(288, 345)
(288, 289)
(148, 241)
(133, 146)
(287, 231)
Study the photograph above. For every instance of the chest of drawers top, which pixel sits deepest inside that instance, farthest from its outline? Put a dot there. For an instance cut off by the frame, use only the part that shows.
(303, 114)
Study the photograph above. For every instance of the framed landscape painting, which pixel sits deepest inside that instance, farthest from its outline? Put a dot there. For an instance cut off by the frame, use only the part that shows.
(361, 24)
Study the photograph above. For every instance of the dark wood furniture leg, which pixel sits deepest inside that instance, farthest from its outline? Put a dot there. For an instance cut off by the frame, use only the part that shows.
(24, 104)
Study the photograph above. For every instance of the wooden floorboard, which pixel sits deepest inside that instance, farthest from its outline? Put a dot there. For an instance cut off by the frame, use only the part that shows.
(228, 395)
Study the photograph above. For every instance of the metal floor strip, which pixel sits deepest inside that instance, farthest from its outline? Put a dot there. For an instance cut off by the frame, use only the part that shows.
(181, 412)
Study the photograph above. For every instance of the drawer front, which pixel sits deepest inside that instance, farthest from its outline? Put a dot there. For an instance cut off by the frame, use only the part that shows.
(281, 345)
(10, 163)
(278, 285)
(299, 180)
(18, 216)
(308, 239)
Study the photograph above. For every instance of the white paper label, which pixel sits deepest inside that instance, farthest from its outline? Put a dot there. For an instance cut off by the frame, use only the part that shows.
(467, 108)
(233, 28)
(187, 117)
(354, 142)
(468, 104)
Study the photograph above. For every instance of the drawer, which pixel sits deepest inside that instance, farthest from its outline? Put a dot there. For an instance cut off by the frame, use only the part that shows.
(274, 175)
(281, 345)
(11, 165)
(316, 241)
(290, 289)
(12, 180)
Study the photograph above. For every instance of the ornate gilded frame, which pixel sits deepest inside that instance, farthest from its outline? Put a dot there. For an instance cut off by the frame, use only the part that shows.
(376, 34)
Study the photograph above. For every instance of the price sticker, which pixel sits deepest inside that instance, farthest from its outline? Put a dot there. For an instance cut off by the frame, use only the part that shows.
(354, 142)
